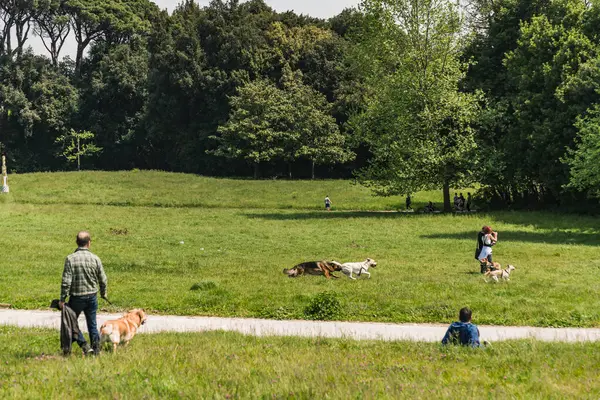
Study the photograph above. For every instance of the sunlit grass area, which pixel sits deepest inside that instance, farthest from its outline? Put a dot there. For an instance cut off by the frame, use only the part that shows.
(227, 365)
(155, 255)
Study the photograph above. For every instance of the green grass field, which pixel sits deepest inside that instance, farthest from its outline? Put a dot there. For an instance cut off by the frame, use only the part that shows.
(225, 365)
(238, 236)
(162, 189)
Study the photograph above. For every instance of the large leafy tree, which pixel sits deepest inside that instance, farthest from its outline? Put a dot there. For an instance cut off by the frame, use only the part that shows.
(417, 123)
(268, 123)
(529, 62)
(113, 99)
(584, 160)
(549, 52)
(42, 103)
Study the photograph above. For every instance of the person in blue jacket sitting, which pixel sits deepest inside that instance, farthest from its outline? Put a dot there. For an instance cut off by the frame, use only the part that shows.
(463, 332)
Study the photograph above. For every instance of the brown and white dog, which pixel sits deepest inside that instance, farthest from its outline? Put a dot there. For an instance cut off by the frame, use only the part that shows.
(122, 330)
(314, 268)
(358, 268)
(487, 266)
(499, 274)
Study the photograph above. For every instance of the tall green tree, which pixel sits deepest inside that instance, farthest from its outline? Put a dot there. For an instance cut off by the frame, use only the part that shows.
(417, 124)
(584, 160)
(42, 103)
(52, 27)
(107, 20)
(17, 17)
(268, 123)
(114, 96)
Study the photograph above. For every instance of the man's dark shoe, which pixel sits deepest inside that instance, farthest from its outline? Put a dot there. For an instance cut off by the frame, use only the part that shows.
(87, 350)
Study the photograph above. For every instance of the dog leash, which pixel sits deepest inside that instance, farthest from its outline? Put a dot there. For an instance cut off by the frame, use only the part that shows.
(108, 301)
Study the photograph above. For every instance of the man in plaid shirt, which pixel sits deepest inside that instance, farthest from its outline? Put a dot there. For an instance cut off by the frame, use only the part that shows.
(82, 276)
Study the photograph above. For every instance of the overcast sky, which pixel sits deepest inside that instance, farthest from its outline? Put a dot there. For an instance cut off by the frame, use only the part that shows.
(315, 8)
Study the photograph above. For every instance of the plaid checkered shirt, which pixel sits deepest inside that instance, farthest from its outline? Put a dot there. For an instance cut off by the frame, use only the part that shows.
(82, 275)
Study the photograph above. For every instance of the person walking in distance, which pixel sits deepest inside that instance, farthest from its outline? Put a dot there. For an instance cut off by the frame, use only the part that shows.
(327, 203)
(469, 202)
(408, 202)
(83, 276)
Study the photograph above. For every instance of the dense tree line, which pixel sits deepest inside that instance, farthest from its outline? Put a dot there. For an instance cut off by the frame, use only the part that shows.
(404, 95)
(170, 91)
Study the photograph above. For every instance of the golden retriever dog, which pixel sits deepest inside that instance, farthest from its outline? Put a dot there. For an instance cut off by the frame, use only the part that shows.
(122, 330)
(325, 268)
(499, 274)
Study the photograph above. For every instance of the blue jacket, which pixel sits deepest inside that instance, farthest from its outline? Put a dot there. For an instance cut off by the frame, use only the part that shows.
(464, 333)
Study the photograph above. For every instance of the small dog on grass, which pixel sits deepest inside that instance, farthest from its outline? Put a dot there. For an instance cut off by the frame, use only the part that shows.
(358, 268)
(314, 268)
(498, 274)
(489, 266)
(122, 330)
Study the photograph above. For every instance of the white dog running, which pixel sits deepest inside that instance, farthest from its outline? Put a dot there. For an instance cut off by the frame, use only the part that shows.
(358, 268)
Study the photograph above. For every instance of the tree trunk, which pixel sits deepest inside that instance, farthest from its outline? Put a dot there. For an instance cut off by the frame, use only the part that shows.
(78, 60)
(256, 170)
(447, 204)
(312, 170)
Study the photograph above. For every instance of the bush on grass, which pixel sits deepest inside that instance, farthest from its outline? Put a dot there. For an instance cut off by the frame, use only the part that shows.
(324, 306)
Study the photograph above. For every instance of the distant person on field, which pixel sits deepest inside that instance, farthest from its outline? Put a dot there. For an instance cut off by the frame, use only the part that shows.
(83, 275)
(456, 201)
(327, 203)
(469, 201)
(408, 202)
(462, 202)
(462, 332)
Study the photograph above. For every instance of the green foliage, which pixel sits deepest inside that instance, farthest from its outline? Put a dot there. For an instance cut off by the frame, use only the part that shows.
(584, 160)
(536, 62)
(41, 103)
(76, 145)
(324, 306)
(52, 26)
(269, 123)
(113, 21)
(417, 124)
(113, 101)
(425, 94)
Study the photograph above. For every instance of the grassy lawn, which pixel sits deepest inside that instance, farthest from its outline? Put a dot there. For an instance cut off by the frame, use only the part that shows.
(163, 189)
(237, 240)
(226, 365)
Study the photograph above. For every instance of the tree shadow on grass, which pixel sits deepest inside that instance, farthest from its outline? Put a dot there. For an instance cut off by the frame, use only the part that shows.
(308, 215)
(554, 237)
(549, 220)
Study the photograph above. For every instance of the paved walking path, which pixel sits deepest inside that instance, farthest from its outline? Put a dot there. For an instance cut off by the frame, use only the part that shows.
(353, 330)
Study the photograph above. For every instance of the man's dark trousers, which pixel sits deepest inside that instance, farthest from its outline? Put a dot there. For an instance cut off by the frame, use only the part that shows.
(88, 305)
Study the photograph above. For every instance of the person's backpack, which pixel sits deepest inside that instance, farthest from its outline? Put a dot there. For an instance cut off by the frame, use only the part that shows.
(479, 245)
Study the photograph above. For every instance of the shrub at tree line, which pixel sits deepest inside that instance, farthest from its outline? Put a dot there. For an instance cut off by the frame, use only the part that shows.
(403, 95)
